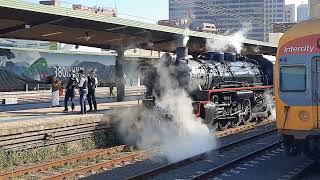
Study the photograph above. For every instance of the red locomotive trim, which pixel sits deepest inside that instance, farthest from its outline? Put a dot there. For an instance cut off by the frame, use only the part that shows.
(232, 89)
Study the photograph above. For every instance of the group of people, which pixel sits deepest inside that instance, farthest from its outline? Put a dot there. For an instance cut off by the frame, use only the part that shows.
(86, 86)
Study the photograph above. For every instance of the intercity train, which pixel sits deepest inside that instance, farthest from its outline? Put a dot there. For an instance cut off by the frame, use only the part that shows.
(297, 89)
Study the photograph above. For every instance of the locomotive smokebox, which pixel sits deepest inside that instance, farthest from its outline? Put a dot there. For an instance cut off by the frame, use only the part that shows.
(182, 53)
(230, 56)
(215, 56)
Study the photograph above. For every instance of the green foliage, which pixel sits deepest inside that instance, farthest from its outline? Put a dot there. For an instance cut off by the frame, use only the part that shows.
(13, 158)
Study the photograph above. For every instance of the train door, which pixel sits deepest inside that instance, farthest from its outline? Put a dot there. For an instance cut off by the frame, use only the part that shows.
(316, 88)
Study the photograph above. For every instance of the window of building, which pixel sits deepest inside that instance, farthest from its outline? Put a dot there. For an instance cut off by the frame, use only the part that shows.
(293, 78)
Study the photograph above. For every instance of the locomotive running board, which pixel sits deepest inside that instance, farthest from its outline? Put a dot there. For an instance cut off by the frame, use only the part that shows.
(239, 89)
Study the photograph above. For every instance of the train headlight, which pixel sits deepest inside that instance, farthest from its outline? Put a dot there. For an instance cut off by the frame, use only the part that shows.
(304, 116)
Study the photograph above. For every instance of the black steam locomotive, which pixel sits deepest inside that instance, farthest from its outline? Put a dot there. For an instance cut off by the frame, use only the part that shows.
(227, 89)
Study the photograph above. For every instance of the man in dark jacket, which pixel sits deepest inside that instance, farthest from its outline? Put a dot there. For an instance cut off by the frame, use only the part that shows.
(92, 84)
(70, 91)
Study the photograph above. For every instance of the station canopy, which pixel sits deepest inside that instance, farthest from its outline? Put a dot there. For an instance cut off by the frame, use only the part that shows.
(22, 20)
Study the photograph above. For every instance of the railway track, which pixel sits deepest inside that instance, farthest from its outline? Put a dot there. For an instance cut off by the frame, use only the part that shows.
(87, 162)
(305, 169)
(242, 128)
(243, 159)
(54, 136)
(220, 158)
(49, 137)
(78, 171)
(99, 153)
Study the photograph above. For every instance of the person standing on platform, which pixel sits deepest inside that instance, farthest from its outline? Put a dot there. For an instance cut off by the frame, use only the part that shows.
(55, 87)
(111, 89)
(92, 84)
(70, 91)
(83, 89)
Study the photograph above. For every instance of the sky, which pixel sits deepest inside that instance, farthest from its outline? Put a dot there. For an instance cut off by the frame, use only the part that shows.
(147, 10)
(141, 10)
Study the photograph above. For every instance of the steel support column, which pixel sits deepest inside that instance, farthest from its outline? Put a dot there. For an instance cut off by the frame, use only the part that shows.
(120, 75)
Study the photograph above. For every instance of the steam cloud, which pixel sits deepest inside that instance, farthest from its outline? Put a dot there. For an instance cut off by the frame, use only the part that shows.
(182, 136)
(185, 37)
(271, 105)
(234, 41)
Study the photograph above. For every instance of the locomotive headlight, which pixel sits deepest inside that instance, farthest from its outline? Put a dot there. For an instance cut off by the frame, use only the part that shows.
(304, 116)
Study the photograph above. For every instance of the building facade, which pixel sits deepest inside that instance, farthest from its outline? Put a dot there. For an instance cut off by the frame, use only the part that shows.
(290, 13)
(303, 12)
(229, 16)
(96, 10)
(314, 6)
(278, 30)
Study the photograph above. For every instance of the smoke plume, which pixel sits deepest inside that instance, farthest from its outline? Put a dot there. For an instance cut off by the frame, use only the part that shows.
(185, 37)
(180, 136)
(233, 41)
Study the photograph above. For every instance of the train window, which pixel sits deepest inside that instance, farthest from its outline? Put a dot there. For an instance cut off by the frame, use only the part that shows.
(293, 78)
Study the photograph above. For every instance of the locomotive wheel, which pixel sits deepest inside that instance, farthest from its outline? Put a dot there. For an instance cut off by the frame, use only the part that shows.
(247, 117)
(213, 127)
(238, 120)
(223, 124)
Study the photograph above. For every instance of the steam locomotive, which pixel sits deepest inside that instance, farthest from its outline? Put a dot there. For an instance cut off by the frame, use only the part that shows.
(227, 89)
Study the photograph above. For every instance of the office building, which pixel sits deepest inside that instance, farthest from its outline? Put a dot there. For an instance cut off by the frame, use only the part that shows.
(290, 13)
(303, 12)
(314, 6)
(96, 10)
(229, 16)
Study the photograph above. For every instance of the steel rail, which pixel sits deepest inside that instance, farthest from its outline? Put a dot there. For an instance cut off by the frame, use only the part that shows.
(219, 169)
(101, 152)
(199, 157)
(45, 166)
(40, 141)
(299, 175)
(96, 167)
(241, 128)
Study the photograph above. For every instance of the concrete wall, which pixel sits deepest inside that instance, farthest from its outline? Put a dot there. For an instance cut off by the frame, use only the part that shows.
(275, 37)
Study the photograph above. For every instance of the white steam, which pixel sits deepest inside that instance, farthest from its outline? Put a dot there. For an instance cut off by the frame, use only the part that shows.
(185, 37)
(181, 136)
(234, 41)
(268, 96)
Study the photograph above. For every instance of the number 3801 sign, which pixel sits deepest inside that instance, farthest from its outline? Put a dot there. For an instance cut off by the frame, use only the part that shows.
(64, 71)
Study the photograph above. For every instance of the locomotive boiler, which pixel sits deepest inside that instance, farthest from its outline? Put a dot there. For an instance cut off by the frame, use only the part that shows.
(227, 89)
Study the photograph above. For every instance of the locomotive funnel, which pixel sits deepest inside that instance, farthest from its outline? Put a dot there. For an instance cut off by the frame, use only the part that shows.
(182, 53)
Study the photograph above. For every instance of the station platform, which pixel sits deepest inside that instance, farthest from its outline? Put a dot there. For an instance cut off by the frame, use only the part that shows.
(29, 97)
(30, 127)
